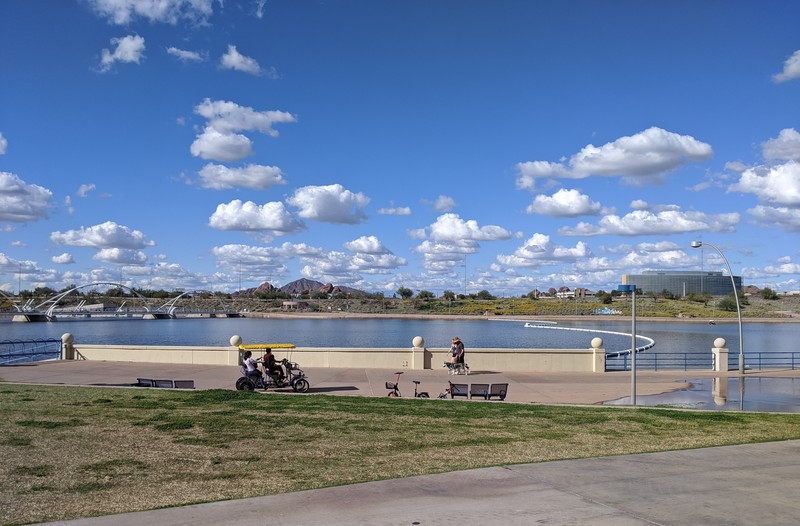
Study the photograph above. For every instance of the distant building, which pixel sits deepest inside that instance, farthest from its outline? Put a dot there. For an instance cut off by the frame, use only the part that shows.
(681, 283)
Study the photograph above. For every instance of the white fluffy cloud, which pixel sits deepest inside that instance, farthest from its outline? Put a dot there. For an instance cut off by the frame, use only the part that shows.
(395, 211)
(250, 217)
(648, 154)
(105, 235)
(225, 147)
(450, 227)
(63, 259)
(777, 184)
(564, 203)
(367, 245)
(254, 176)
(538, 250)
(129, 49)
(791, 68)
(3, 144)
(21, 202)
(229, 117)
(785, 147)
(232, 59)
(221, 140)
(125, 256)
(186, 56)
(784, 217)
(122, 12)
(371, 257)
(331, 204)
(644, 222)
(450, 239)
(444, 203)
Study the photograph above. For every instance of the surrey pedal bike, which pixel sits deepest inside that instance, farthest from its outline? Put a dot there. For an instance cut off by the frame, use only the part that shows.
(394, 389)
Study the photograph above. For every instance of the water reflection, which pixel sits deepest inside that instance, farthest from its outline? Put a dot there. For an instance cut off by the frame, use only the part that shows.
(723, 393)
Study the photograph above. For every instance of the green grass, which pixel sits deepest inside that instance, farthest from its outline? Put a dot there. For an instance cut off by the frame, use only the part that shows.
(98, 451)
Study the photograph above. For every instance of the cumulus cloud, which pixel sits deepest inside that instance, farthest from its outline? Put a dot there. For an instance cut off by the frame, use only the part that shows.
(3, 144)
(785, 147)
(225, 147)
(254, 176)
(444, 203)
(21, 202)
(125, 256)
(232, 59)
(221, 139)
(395, 211)
(84, 189)
(263, 260)
(186, 56)
(63, 259)
(647, 155)
(450, 227)
(539, 250)
(367, 245)
(564, 203)
(129, 49)
(664, 222)
(105, 235)
(330, 204)
(791, 68)
(250, 217)
(786, 218)
(122, 12)
(228, 117)
(371, 257)
(450, 239)
(777, 184)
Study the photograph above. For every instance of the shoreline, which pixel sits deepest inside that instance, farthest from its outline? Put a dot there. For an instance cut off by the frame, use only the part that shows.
(522, 317)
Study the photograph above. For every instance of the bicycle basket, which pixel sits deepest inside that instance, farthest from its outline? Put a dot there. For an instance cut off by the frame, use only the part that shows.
(390, 385)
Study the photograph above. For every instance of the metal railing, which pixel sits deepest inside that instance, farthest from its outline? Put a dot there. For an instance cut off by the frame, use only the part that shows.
(688, 360)
(25, 351)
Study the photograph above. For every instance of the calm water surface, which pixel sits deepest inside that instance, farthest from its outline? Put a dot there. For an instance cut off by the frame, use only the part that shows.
(669, 336)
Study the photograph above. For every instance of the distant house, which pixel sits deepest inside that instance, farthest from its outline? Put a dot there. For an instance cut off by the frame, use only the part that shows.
(293, 305)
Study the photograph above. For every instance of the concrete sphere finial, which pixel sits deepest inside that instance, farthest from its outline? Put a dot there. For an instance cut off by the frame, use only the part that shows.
(67, 338)
(418, 341)
(597, 343)
(236, 340)
(719, 343)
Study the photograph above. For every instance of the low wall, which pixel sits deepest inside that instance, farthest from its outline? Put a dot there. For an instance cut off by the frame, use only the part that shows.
(416, 357)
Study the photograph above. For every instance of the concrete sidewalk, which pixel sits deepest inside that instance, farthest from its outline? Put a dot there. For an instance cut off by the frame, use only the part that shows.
(734, 485)
(544, 387)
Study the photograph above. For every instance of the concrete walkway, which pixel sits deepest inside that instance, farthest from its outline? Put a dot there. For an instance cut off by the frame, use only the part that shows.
(735, 485)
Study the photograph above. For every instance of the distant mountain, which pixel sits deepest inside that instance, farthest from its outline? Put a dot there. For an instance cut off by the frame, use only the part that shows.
(297, 287)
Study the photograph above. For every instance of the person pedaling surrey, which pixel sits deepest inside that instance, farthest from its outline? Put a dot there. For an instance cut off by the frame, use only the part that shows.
(274, 368)
(251, 364)
(457, 351)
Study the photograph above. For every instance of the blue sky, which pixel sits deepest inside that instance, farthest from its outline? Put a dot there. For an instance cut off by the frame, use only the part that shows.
(429, 144)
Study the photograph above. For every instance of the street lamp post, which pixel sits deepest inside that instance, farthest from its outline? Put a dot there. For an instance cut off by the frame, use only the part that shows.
(698, 244)
(632, 290)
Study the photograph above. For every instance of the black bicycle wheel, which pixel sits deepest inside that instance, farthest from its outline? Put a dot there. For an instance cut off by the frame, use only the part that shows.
(423, 395)
(301, 385)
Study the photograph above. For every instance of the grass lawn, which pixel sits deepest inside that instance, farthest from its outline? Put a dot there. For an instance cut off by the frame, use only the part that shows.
(72, 452)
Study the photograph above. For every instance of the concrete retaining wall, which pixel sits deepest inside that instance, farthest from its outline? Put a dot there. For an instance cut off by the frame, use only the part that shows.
(524, 360)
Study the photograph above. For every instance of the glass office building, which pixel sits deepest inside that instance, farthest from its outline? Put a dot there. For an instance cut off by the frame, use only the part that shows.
(681, 283)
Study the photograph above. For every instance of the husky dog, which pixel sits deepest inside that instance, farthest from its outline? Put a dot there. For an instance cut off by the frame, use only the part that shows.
(456, 368)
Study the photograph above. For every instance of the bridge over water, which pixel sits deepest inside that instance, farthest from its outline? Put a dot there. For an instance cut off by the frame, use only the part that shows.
(49, 310)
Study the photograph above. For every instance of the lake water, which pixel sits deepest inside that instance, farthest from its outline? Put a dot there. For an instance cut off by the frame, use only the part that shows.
(502, 333)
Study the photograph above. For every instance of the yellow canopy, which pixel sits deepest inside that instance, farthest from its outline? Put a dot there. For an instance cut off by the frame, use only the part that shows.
(262, 346)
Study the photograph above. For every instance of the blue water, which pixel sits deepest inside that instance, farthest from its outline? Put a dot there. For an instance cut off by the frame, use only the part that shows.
(480, 333)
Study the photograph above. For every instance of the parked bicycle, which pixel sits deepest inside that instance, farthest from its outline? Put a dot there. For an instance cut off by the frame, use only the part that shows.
(394, 388)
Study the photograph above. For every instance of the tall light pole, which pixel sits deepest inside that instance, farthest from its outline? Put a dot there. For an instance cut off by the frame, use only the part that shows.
(632, 290)
(698, 244)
